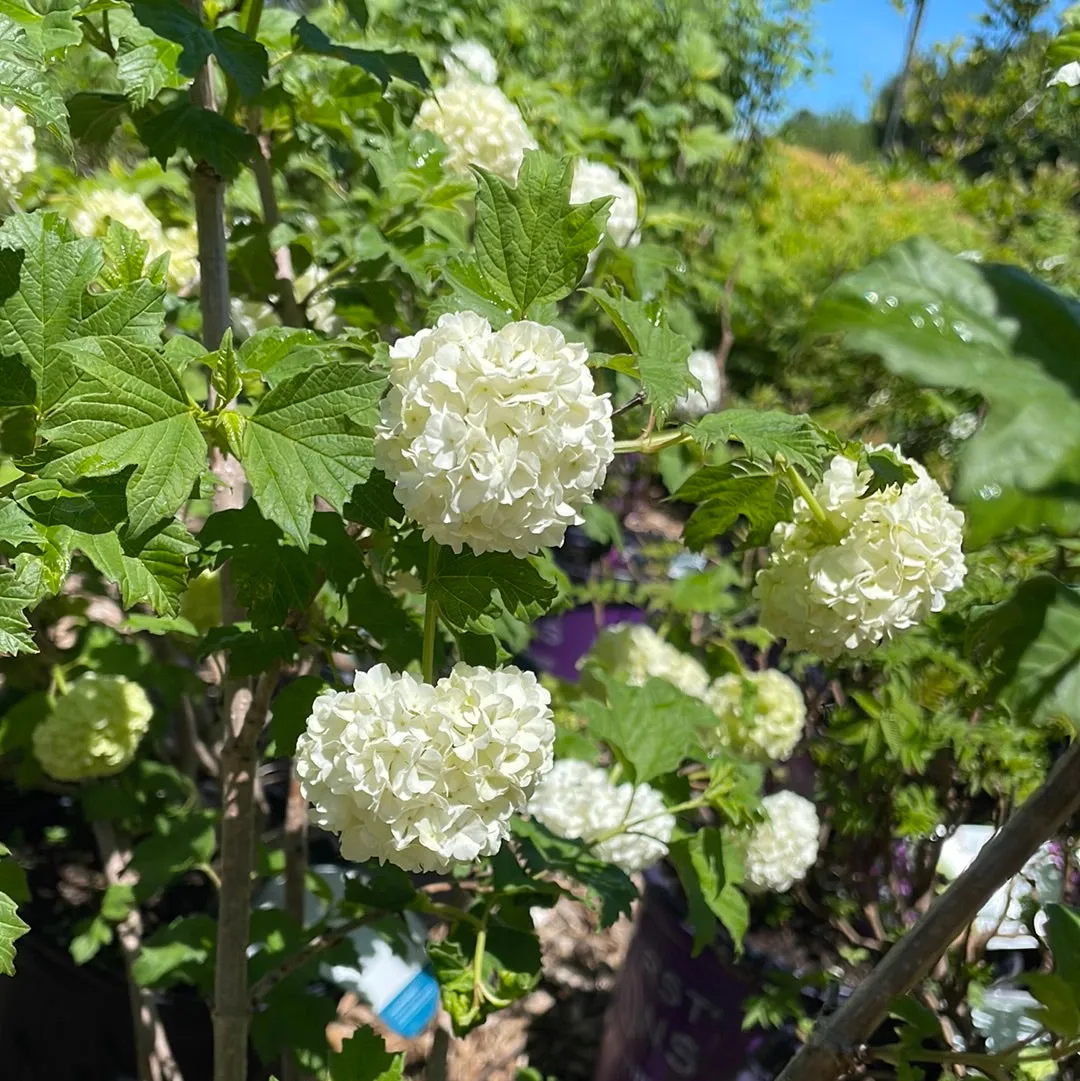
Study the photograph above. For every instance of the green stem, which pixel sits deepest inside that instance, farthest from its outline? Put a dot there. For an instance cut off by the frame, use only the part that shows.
(431, 615)
(650, 444)
(625, 827)
(795, 479)
(449, 913)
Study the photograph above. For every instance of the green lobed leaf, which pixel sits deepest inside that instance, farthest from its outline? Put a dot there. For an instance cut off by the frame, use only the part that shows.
(719, 869)
(290, 710)
(1063, 930)
(662, 355)
(725, 493)
(131, 410)
(24, 82)
(765, 435)
(610, 890)
(993, 330)
(1033, 641)
(12, 928)
(532, 246)
(52, 30)
(653, 728)
(17, 592)
(278, 352)
(307, 37)
(363, 1057)
(146, 64)
(95, 115)
(206, 135)
(176, 845)
(179, 953)
(701, 917)
(311, 435)
(472, 590)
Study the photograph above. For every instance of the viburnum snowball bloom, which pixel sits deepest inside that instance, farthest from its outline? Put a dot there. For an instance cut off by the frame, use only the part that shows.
(777, 714)
(696, 403)
(425, 776)
(470, 59)
(594, 180)
(785, 846)
(95, 209)
(94, 729)
(1067, 75)
(634, 652)
(17, 154)
(494, 439)
(578, 801)
(898, 554)
(480, 125)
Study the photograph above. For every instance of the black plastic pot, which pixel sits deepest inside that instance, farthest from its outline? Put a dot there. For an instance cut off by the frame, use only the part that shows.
(62, 1022)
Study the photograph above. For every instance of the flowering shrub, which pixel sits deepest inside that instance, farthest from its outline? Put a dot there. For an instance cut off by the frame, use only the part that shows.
(494, 439)
(324, 545)
(425, 776)
(94, 729)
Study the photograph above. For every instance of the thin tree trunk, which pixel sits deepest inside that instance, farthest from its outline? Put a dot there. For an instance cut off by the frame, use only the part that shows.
(896, 111)
(833, 1047)
(153, 1055)
(239, 760)
(295, 845)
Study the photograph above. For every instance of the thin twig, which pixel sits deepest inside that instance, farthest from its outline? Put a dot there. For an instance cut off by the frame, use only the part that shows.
(319, 944)
(832, 1048)
(153, 1055)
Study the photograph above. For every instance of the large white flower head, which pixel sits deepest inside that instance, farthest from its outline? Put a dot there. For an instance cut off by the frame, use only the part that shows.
(899, 553)
(494, 439)
(579, 801)
(425, 776)
(18, 157)
(480, 125)
(696, 403)
(761, 714)
(97, 207)
(634, 653)
(784, 847)
(594, 180)
(94, 729)
(471, 60)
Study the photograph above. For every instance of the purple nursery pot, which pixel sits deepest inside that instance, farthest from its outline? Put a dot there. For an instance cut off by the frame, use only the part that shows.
(674, 1017)
(560, 641)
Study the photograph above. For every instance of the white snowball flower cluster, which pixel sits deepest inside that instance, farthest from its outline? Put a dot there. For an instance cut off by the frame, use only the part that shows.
(17, 154)
(494, 439)
(94, 729)
(594, 180)
(425, 776)
(634, 652)
(761, 714)
(785, 846)
(480, 125)
(471, 59)
(95, 209)
(578, 801)
(898, 554)
(696, 403)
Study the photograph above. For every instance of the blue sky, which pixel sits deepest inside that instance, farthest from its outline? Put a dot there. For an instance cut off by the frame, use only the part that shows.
(866, 38)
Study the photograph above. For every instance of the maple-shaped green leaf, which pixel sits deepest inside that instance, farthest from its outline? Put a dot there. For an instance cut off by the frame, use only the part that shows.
(278, 352)
(12, 927)
(206, 135)
(363, 1057)
(652, 728)
(307, 37)
(153, 570)
(718, 865)
(131, 408)
(311, 435)
(25, 82)
(17, 593)
(45, 269)
(50, 25)
(765, 434)
(146, 64)
(662, 355)
(474, 590)
(87, 504)
(724, 494)
(532, 246)
(95, 115)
